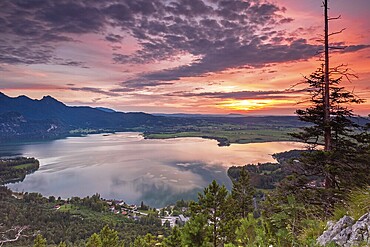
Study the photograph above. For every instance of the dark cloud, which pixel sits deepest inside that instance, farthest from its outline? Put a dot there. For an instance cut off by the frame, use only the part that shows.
(253, 55)
(353, 48)
(71, 17)
(132, 85)
(241, 95)
(114, 38)
(95, 90)
(218, 34)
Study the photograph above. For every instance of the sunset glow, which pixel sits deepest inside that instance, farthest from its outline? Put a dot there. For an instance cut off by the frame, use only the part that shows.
(196, 56)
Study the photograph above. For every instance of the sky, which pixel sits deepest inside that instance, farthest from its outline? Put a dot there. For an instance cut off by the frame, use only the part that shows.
(179, 56)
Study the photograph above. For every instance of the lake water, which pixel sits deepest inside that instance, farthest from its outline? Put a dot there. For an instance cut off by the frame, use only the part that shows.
(126, 166)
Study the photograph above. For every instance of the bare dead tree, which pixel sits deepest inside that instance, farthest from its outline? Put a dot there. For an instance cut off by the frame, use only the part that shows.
(13, 234)
(327, 129)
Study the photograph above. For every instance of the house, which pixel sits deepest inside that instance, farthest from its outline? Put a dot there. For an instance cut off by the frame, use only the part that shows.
(183, 219)
(172, 220)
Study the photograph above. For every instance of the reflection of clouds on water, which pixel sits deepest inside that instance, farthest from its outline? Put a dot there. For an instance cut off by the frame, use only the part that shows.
(152, 190)
(159, 187)
(126, 166)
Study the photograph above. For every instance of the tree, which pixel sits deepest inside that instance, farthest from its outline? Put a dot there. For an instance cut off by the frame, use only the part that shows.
(94, 241)
(145, 241)
(253, 232)
(325, 175)
(109, 237)
(216, 205)
(62, 244)
(39, 241)
(12, 234)
(196, 232)
(343, 166)
(174, 240)
(242, 193)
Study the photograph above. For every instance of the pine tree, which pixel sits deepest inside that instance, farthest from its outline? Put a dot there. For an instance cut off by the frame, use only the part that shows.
(94, 241)
(325, 176)
(196, 232)
(109, 237)
(145, 241)
(39, 241)
(216, 205)
(242, 193)
(62, 244)
(174, 240)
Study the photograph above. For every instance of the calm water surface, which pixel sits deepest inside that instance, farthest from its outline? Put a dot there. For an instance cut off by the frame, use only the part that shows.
(126, 166)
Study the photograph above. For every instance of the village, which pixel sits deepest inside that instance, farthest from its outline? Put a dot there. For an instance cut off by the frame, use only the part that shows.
(170, 216)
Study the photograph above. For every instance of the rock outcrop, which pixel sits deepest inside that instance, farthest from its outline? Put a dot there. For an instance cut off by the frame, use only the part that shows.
(347, 232)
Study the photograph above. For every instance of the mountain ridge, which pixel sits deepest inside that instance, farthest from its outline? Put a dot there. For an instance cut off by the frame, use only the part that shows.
(49, 117)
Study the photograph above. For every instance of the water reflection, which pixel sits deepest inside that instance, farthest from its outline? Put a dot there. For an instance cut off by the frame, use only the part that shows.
(125, 166)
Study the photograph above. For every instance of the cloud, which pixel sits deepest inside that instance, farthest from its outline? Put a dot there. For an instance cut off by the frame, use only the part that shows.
(114, 38)
(353, 48)
(217, 34)
(95, 90)
(241, 95)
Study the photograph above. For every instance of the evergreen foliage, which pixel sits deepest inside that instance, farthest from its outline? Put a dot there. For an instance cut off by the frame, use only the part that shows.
(325, 177)
(217, 206)
(109, 237)
(242, 193)
(94, 241)
(39, 241)
(174, 240)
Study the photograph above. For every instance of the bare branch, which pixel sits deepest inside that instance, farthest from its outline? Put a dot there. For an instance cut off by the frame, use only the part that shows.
(18, 233)
(335, 18)
(334, 33)
(337, 48)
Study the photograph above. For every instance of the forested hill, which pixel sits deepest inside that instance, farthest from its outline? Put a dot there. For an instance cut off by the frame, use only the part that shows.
(25, 118)
(22, 117)
(49, 108)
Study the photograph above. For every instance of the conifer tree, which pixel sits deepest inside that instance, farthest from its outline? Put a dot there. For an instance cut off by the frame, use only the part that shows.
(174, 240)
(39, 241)
(94, 241)
(242, 193)
(109, 237)
(215, 204)
(196, 232)
(62, 244)
(324, 175)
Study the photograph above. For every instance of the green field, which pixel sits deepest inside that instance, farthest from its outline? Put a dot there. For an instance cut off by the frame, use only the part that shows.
(88, 214)
(225, 137)
(24, 166)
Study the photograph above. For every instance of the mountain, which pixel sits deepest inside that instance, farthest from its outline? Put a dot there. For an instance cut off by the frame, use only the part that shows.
(14, 125)
(105, 109)
(49, 108)
(24, 117)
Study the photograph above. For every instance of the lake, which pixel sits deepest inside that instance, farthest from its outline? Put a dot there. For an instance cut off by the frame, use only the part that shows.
(128, 167)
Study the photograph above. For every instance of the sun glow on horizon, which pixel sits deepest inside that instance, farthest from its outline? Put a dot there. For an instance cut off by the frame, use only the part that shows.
(247, 104)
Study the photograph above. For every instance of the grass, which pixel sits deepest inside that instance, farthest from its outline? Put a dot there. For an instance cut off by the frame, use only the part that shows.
(23, 166)
(232, 136)
(85, 213)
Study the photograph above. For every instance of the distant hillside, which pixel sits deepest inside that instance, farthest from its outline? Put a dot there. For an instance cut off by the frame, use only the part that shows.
(105, 109)
(25, 118)
(22, 117)
(49, 108)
